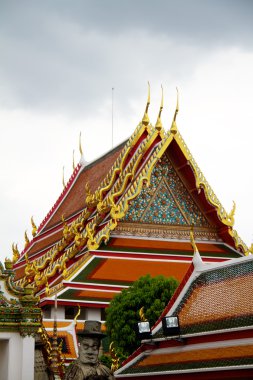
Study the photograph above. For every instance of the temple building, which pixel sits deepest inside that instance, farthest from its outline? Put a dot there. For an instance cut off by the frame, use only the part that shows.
(127, 214)
(206, 330)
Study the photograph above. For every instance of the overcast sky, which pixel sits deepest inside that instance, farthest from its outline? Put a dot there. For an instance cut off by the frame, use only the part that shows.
(61, 59)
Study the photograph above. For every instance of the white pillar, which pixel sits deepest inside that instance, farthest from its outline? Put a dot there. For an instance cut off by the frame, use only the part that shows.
(14, 356)
(4, 351)
(28, 348)
(60, 314)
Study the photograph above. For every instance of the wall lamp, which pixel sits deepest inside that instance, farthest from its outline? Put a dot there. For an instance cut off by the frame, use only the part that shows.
(171, 326)
(143, 330)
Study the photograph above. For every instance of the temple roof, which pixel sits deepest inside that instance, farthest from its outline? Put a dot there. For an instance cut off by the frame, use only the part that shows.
(149, 187)
(214, 307)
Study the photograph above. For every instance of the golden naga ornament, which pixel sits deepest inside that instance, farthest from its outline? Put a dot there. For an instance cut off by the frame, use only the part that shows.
(66, 232)
(16, 254)
(91, 200)
(34, 227)
(193, 240)
(115, 358)
(27, 241)
(142, 315)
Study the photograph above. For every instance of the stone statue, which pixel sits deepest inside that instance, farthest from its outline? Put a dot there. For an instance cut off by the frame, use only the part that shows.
(87, 365)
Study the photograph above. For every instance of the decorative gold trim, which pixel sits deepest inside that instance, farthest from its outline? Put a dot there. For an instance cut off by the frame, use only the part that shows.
(164, 231)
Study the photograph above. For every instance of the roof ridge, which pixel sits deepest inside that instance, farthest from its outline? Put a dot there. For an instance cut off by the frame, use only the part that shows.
(61, 197)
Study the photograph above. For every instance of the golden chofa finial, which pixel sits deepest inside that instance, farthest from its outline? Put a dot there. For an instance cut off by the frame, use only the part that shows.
(63, 180)
(159, 125)
(193, 241)
(231, 215)
(77, 315)
(145, 119)
(27, 241)
(142, 315)
(73, 160)
(173, 128)
(34, 227)
(80, 144)
(15, 252)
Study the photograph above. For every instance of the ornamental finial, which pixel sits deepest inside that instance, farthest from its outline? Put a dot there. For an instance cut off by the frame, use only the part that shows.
(193, 241)
(15, 253)
(173, 128)
(80, 144)
(197, 261)
(159, 122)
(27, 241)
(145, 119)
(63, 180)
(231, 215)
(73, 160)
(34, 227)
(77, 315)
(142, 315)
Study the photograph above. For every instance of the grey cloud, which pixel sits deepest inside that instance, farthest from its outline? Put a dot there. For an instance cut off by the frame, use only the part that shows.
(66, 56)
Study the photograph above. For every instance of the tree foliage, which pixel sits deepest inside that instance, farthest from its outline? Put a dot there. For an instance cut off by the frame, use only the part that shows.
(123, 312)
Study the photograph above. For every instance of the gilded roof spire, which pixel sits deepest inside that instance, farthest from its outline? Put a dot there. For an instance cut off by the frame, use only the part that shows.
(173, 128)
(73, 160)
(82, 159)
(34, 227)
(15, 252)
(27, 241)
(159, 122)
(80, 144)
(63, 180)
(145, 119)
(197, 261)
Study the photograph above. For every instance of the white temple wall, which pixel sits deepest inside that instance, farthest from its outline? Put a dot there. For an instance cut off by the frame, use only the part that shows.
(93, 314)
(16, 357)
(4, 351)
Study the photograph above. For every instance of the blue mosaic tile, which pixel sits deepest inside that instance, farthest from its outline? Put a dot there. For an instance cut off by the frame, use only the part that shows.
(165, 201)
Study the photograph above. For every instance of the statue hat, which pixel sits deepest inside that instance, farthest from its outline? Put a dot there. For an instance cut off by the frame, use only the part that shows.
(92, 329)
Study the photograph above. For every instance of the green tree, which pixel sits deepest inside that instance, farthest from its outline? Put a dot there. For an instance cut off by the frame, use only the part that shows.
(123, 313)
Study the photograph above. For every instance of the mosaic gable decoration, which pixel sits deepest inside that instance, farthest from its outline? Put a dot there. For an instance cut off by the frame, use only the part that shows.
(165, 201)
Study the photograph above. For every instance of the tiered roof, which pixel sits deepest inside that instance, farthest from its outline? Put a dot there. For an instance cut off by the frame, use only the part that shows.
(214, 306)
(137, 202)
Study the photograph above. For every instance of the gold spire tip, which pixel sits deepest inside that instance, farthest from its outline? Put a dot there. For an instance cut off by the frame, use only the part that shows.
(159, 122)
(73, 159)
(145, 119)
(174, 124)
(80, 144)
(63, 180)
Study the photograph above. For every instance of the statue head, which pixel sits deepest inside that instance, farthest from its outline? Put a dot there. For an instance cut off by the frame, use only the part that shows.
(90, 339)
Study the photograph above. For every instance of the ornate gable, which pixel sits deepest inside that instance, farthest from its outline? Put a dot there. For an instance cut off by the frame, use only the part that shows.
(166, 201)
